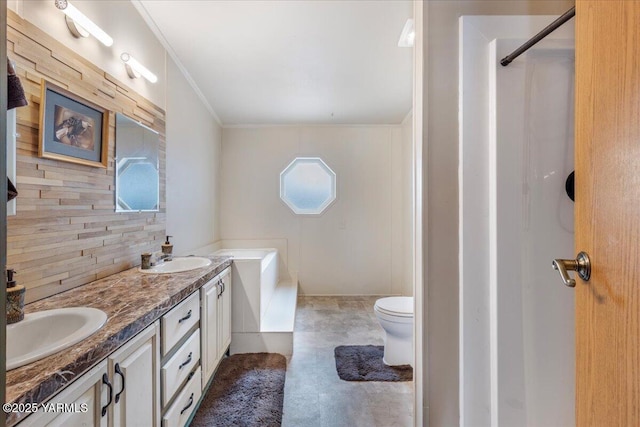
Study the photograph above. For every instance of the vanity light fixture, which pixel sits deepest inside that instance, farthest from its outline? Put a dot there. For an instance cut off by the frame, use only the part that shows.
(80, 25)
(136, 69)
(408, 35)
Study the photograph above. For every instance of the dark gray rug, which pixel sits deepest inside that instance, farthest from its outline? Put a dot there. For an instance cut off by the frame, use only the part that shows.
(247, 391)
(364, 363)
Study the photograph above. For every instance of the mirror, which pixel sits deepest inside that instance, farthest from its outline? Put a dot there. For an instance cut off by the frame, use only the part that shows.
(137, 174)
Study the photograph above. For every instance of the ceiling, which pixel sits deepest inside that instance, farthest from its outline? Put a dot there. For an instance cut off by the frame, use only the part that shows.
(291, 62)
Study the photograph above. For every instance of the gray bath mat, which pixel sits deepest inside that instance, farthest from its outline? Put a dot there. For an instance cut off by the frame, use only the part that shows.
(247, 391)
(364, 363)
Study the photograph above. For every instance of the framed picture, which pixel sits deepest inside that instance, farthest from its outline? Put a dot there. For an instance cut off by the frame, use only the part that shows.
(72, 129)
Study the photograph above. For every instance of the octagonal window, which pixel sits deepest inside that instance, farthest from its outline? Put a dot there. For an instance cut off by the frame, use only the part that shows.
(134, 176)
(308, 185)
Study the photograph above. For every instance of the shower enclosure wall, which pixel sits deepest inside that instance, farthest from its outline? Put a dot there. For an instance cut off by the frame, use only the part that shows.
(516, 150)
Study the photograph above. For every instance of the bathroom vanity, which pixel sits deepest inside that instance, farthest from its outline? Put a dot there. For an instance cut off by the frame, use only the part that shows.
(149, 365)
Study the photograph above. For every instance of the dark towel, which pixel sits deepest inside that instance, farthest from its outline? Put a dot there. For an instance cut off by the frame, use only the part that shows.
(12, 193)
(15, 92)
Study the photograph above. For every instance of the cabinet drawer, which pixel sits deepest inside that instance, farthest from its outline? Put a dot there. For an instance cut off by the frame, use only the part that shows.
(177, 322)
(177, 369)
(179, 413)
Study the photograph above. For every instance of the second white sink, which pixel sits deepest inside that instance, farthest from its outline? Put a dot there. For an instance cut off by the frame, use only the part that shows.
(43, 333)
(178, 265)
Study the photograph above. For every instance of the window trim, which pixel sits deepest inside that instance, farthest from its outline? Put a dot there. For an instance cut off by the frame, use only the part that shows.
(322, 208)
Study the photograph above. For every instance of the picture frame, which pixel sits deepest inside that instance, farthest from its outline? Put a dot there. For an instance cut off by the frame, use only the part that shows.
(72, 129)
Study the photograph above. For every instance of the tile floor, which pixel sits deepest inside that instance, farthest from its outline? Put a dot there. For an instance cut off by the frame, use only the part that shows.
(314, 395)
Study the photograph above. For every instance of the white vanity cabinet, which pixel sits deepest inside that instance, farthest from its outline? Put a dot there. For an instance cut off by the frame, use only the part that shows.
(224, 314)
(178, 414)
(216, 322)
(180, 361)
(178, 321)
(84, 400)
(177, 369)
(122, 390)
(158, 376)
(136, 386)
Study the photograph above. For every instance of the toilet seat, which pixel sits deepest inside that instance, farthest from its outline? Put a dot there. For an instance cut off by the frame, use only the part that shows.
(392, 318)
(395, 306)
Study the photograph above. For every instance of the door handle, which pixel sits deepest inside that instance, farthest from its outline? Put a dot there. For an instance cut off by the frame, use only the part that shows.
(581, 265)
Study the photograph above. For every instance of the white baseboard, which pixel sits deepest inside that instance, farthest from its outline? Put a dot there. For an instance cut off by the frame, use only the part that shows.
(259, 342)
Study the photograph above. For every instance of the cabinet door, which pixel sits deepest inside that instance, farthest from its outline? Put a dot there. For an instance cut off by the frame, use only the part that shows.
(224, 315)
(209, 329)
(82, 403)
(135, 371)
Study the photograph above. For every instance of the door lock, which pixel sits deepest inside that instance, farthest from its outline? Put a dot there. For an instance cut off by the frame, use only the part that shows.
(581, 265)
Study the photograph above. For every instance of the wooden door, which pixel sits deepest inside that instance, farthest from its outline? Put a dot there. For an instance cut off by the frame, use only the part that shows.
(608, 212)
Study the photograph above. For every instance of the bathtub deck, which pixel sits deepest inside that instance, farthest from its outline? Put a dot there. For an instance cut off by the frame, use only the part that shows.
(281, 313)
(276, 327)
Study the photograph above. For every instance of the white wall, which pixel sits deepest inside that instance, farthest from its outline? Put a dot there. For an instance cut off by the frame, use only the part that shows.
(441, 335)
(122, 22)
(193, 167)
(355, 246)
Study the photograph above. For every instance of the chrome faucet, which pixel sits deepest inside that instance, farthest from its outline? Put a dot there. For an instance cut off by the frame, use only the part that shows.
(152, 259)
(164, 257)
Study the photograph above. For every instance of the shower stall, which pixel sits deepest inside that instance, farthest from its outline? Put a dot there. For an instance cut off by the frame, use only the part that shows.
(517, 357)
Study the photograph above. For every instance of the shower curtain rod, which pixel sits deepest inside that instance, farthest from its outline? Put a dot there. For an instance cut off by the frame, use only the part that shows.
(535, 39)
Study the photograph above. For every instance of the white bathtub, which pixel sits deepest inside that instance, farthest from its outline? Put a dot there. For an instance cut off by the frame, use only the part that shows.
(255, 276)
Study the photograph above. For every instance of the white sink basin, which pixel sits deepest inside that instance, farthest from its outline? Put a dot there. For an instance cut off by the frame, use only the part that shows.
(177, 265)
(46, 332)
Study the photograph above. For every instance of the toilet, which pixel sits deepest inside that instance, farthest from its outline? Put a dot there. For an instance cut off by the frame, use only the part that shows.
(395, 315)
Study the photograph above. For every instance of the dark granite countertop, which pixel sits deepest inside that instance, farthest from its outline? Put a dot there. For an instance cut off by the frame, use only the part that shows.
(132, 301)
